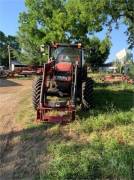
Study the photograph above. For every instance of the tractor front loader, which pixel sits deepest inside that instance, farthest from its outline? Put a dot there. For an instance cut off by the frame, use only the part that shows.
(63, 85)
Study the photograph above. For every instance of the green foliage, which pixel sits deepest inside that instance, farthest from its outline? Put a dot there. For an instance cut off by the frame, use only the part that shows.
(93, 16)
(131, 70)
(99, 159)
(122, 11)
(72, 21)
(41, 24)
(14, 45)
(98, 52)
(109, 12)
(58, 21)
(3, 49)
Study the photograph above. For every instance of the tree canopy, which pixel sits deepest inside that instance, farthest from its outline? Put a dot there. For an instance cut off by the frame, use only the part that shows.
(4, 42)
(48, 21)
(98, 52)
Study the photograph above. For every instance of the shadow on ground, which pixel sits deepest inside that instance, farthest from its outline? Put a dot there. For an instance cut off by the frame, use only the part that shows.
(120, 100)
(8, 83)
(33, 157)
(31, 145)
(107, 100)
(105, 84)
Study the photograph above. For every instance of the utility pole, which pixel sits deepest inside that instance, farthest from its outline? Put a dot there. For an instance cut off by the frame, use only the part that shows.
(9, 56)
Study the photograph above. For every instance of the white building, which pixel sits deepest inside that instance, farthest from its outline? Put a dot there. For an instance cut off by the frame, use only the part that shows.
(124, 56)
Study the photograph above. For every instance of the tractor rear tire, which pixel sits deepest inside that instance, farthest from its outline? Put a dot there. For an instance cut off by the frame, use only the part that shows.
(36, 90)
(87, 94)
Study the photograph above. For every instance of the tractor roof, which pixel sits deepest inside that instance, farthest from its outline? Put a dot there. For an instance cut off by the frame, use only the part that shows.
(78, 45)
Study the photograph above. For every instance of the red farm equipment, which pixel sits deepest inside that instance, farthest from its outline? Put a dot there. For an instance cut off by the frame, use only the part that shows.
(63, 85)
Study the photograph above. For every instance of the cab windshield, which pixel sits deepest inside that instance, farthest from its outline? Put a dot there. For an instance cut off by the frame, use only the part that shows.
(66, 54)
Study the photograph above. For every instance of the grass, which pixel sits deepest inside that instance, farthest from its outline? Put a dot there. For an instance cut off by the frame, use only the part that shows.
(99, 144)
(25, 113)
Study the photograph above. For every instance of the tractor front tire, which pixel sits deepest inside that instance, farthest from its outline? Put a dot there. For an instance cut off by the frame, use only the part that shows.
(87, 94)
(36, 90)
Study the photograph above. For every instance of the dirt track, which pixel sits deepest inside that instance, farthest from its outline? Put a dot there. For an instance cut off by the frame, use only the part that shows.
(11, 92)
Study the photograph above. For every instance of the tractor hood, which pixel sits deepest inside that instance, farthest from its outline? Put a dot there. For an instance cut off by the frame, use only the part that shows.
(64, 67)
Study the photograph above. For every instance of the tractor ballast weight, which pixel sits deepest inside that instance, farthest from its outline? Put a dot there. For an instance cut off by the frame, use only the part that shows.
(64, 78)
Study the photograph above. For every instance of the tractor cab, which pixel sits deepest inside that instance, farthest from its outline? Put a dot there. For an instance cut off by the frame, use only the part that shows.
(66, 53)
(68, 59)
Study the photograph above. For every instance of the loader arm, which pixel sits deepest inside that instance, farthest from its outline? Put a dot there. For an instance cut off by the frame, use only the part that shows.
(47, 71)
(74, 85)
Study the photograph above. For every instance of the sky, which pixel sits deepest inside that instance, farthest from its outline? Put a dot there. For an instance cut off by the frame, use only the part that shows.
(9, 13)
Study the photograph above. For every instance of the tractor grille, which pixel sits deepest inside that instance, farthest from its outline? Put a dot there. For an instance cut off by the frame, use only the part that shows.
(62, 76)
(62, 73)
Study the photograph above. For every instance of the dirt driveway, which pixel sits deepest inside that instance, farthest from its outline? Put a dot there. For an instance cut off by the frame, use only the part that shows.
(11, 93)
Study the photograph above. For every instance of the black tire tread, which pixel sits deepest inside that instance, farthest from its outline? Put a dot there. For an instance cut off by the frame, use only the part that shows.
(36, 90)
(87, 94)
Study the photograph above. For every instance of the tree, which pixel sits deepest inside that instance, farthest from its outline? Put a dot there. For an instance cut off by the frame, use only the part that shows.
(70, 21)
(3, 49)
(41, 24)
(123, 11)
(87, 17)
(14, 47)
(55, 21)
(109, 12)
(98, 52)
(131, 70)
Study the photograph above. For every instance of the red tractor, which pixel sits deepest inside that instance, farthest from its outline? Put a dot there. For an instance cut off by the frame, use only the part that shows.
(63, 85)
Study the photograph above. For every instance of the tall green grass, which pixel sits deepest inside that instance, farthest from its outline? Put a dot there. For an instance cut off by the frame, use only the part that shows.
(100, 143)
(98, 159)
